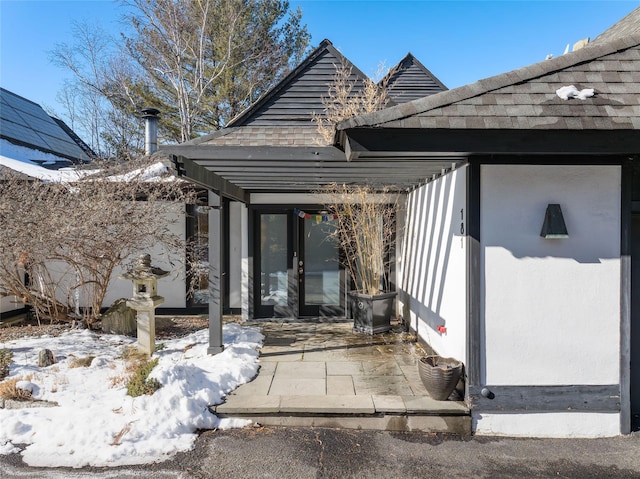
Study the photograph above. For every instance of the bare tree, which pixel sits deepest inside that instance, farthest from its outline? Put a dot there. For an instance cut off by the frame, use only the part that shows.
(100, 102)
(207, 60)
(349, 96)
(68, 237)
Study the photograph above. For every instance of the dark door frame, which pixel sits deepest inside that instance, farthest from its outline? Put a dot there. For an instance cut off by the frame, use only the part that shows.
(295, 251)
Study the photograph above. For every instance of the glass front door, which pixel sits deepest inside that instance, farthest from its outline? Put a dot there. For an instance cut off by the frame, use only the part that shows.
(320, 277)
(296, 268)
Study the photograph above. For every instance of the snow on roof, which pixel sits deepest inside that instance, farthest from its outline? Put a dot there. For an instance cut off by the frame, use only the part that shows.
(28, 162)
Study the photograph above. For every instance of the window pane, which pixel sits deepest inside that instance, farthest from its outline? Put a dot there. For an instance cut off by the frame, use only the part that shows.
(321, 272)
(273, 259)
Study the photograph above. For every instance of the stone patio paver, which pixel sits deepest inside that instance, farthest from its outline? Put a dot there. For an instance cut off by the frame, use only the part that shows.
(310, 369)
(340, 385)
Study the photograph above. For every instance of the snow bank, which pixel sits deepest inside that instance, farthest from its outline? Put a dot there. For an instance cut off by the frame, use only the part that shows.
(96, 423)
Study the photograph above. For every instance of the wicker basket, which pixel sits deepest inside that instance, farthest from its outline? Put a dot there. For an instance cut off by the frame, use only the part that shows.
(439, 375)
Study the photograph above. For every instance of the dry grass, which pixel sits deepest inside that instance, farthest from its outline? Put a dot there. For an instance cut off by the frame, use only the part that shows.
(120, 435)
(132, 353)
(81, 362)
(8, 390)
(124, 377)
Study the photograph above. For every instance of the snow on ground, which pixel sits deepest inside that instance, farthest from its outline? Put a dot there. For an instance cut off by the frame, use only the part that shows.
(97, 423)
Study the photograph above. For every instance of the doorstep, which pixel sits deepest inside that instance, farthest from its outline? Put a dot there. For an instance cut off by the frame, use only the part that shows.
(389, 413)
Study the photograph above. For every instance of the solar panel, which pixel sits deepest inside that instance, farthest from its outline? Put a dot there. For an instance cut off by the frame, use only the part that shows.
(26, 122)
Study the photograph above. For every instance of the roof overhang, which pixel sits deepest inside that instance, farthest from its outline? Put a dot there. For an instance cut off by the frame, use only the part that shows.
(389, 143)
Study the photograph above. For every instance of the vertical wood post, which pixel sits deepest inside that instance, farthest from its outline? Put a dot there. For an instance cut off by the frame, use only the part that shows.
(625, 298)
(474, 278)
(215, 274)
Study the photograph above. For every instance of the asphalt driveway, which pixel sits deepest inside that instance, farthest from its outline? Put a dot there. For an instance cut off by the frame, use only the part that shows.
(300, 453)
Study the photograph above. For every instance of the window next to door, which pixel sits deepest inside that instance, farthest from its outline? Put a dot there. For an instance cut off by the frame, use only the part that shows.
(198, 266)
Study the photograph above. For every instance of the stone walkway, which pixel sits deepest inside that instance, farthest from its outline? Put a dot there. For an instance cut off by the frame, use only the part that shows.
(320, 373)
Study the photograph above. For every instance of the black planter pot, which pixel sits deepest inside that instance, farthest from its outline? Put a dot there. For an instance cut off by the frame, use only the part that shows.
(371, 313)
(439, 375)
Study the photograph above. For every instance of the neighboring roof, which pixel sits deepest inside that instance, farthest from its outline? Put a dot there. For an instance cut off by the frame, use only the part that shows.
(629, 25)
(410, 80)
(526, 98)
(72, 134)
(33, 163)
(25, 123)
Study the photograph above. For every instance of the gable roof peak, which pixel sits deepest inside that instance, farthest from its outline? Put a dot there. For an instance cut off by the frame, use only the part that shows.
(323, 77)
(410, 80)
(627, 25)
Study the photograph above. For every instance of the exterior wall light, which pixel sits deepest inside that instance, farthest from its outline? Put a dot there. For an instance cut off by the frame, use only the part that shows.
(554, 226)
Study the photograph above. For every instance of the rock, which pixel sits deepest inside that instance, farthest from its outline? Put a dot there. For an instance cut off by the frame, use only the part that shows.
(15, 404)
(120, 319)
(45, 358)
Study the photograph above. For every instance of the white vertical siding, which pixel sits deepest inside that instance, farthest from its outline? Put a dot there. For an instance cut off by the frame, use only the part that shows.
(432, 263)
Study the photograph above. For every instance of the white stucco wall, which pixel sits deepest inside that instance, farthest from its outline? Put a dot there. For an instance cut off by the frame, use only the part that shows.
(550, 308)
(432, 263)
(172, 287)
(549, 424)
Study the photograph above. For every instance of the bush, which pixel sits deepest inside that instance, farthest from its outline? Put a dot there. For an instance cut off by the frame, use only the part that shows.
(140, 383)
(6, 356)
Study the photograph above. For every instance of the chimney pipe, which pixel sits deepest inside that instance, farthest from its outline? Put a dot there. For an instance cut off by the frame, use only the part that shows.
(151, 116)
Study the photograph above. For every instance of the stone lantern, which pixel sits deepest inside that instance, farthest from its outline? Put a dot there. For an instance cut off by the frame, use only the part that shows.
(145, 299)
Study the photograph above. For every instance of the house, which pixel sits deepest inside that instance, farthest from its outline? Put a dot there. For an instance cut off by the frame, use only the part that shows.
(548, 325)
(40, 146)
(521, 226)
(37, 145)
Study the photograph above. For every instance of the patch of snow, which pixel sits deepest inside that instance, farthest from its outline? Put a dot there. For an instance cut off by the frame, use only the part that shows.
(97, 423)
(571, 91)
(27, 386)
(150, 173)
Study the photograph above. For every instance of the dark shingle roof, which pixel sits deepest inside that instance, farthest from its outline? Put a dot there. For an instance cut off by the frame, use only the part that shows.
(283, 116)
(25, 123)
(410, 80)
(526, 98)
(266, 135)
(300, 93)
(629, 25)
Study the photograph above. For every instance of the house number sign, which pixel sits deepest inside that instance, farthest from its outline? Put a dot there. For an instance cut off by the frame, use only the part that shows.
(462, 228)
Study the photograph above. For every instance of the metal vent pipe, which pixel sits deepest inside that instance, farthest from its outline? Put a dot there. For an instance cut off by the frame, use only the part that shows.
(151, 116)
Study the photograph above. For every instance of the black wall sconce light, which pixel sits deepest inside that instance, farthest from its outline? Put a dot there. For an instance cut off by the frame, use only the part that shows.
(554, 226)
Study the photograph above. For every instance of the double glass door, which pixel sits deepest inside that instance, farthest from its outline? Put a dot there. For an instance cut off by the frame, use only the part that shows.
(296, 270)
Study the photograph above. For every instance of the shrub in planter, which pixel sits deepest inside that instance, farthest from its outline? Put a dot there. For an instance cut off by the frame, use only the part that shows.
(365, 230)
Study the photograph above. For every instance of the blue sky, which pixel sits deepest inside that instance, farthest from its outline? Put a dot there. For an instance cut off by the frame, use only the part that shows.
(459, 41)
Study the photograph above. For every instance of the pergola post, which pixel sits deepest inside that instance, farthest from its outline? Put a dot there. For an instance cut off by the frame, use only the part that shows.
(215, 274)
